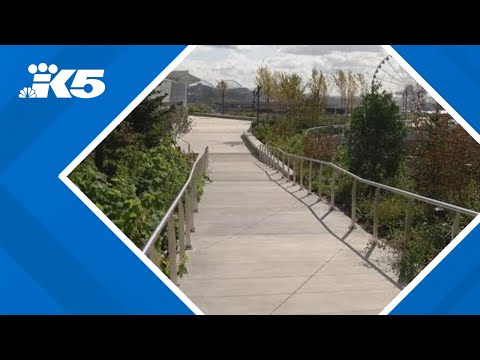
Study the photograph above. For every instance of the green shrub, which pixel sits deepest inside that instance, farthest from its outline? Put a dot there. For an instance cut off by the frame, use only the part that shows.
(375, 150)
(375, 137)
(134, 176)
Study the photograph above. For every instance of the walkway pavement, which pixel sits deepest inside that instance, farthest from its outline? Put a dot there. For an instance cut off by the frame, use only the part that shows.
(262, 246)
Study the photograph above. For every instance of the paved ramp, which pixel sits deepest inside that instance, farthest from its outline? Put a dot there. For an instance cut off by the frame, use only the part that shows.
(263, 246)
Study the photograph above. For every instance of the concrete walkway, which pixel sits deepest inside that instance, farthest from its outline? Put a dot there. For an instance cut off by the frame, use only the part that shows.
(262, 246)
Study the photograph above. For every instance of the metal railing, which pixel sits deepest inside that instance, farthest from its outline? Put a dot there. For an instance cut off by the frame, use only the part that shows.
(189, 146)
(338, 127)
(292, 167)
(184, 206)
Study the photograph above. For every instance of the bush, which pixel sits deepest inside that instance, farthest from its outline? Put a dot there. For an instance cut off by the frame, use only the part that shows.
(136, 173)
(374, 148)
(442, 154)
(375, 137)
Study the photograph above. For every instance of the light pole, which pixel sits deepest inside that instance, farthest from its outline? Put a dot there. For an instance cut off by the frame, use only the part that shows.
(258, 103)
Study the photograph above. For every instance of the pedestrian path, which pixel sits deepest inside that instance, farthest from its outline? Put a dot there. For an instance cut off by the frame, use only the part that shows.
(263, 246)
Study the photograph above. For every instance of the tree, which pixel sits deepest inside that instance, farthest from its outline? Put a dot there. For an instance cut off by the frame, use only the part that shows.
(419, 100)
(363, 84)
(446, 162)
(264, 79)
(340, 81)
(222, 89)
(289, 90)
(375, 137)
(318, 86)
(352, 90)
(146, 126)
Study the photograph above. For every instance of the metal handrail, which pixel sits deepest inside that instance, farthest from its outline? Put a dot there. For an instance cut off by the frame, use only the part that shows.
(186, 142)
(405, 193)
(335, 126)
(286, 164)
(186, 204)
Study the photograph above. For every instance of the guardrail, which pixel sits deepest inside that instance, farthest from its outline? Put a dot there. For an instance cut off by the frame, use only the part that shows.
(184, 206)
(292, 167)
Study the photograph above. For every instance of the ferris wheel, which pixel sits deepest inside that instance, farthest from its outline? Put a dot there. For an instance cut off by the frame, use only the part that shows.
(392, 78)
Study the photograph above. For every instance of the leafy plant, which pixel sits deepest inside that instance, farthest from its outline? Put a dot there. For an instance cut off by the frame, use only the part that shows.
(375, 137)
(140, 174)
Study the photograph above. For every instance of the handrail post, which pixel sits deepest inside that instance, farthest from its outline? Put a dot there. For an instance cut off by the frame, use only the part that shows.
(283, 163)
(310, 177)
(188, 221)
(181, 229)
(153, 254)
(289, 161)
(456, 225)
(376, 210)
(408, 221)
(192, 215)
(332, 190)
(354, 204)
(301, 174)
(294, 171)
(172, 250)
(320, 179)
(207, 158)
(194, 194)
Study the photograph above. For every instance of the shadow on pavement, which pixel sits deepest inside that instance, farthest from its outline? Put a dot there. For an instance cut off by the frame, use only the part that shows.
(295, 191)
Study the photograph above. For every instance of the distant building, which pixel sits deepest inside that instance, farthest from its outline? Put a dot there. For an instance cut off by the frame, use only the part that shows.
(204, 92)
(201, 92)
(183, 77)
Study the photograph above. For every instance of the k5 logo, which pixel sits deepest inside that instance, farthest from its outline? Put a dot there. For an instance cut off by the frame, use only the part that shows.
(42, 82)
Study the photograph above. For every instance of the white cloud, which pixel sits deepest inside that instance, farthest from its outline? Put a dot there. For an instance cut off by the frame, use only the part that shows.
(239, 62)
(315, 50)
(233, 47)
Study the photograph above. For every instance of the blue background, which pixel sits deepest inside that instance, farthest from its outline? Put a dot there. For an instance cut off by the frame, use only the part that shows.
(56, 256)
(453, 287)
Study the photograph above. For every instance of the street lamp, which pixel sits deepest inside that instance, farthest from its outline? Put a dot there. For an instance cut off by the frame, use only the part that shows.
(256, 93)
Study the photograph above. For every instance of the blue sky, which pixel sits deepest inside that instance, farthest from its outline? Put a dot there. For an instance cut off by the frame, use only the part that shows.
(239, 62)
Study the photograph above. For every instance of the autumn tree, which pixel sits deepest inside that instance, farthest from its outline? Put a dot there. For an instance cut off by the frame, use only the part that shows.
(446, 162)
(289, 90)
(264, 78)
(363, 84)
(352, 90)
(419, 100)
(318, 86)
(340, 81)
